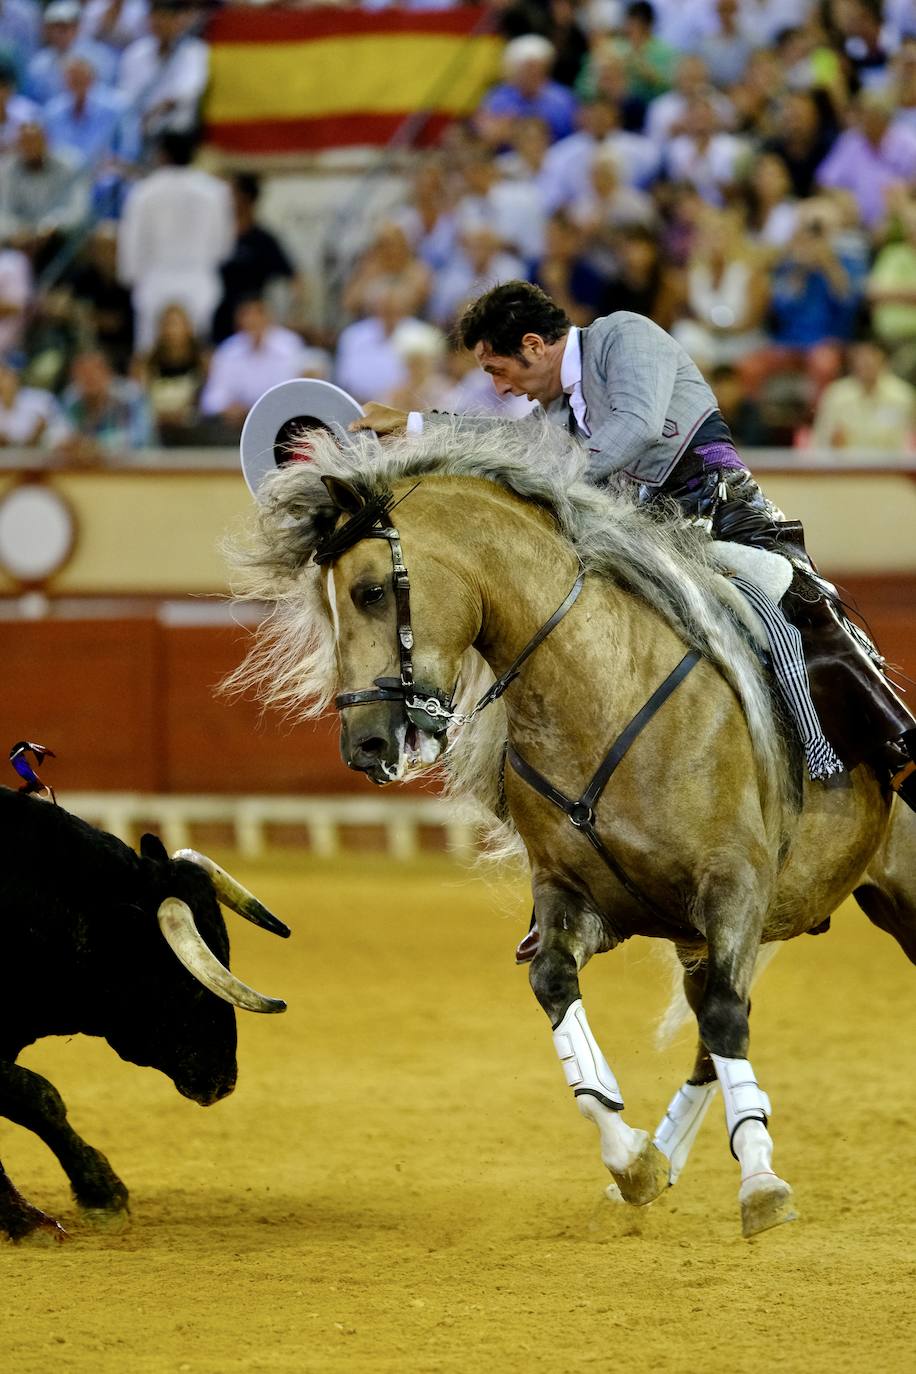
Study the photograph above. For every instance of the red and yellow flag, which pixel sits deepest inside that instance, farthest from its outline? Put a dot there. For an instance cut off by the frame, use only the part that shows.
(290, 81)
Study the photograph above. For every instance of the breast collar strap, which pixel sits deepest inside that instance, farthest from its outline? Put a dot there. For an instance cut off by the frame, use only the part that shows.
(433, 704)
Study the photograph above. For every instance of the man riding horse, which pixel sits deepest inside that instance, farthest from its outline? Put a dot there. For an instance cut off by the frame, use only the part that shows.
(640, 405)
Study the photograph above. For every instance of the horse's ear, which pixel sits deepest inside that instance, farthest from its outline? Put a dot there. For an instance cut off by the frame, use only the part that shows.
(151, 847)
(345, 497)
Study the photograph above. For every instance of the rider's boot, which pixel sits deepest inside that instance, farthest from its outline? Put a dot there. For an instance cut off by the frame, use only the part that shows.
(860, 712)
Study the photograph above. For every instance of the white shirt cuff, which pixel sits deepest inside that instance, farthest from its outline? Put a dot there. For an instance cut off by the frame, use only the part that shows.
(415, 422)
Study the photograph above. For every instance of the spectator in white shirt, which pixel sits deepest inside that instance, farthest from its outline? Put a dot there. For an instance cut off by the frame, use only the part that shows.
(704, 157)
(164, 75)
(29, 416)
(666, 116)
(176, 230)
(261, 355)
(368, 362)
(566, 174)
(45, 75)
(513, 210)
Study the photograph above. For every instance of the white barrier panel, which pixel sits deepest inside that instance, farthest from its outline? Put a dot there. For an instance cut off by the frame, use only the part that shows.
(324, 818)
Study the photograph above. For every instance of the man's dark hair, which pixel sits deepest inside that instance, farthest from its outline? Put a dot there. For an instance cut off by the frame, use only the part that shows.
(176, 149)
(503, 316)
(248, 185)
(642, 12)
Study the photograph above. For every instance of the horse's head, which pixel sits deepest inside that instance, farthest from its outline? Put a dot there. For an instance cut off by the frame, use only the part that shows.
(403, 616)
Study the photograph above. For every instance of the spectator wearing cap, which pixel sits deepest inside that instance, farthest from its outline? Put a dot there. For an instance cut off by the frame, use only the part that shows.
(108, 415)
(872, 157)
(42, 197)
(164, 74)
(176, 230)
(30, 417)
(15, 110)
(261, 354)
(45, 73)
(90, 121)
(527, 92)
(258, 261)
(870, 410)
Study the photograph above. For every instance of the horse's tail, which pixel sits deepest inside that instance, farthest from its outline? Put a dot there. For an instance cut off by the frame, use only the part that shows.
(677, 1013)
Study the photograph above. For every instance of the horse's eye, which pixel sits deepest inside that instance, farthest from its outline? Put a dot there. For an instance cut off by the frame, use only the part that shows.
(370, 596)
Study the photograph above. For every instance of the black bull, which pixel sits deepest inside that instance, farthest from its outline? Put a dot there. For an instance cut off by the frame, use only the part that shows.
(84, 953)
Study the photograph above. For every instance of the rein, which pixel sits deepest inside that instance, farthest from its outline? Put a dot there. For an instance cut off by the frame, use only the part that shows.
(581, 813)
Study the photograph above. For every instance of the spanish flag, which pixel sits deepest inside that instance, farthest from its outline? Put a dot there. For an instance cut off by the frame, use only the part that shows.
(293, 81)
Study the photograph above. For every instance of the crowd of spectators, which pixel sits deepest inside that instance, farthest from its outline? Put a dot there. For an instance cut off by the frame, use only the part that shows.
(741, 171)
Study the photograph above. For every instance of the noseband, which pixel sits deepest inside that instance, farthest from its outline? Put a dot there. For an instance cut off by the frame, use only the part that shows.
(420, 703)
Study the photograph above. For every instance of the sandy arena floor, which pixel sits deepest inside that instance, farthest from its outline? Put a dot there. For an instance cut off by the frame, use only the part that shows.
(402, 1183)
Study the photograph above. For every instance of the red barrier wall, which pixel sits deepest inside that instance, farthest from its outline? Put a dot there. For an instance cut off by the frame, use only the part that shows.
(131, 704)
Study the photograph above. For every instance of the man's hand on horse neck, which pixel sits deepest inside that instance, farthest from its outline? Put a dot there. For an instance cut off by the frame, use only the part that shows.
(381, 419)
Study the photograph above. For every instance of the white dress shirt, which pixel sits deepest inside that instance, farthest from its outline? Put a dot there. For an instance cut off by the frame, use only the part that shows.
(241, 371)
(176, 229)
(571, 379)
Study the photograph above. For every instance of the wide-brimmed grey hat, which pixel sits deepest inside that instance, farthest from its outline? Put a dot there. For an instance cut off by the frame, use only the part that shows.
(283, 413)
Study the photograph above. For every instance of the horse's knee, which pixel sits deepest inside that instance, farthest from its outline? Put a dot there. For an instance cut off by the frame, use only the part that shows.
(554, 981)
(723, 1022)
(30, 1100)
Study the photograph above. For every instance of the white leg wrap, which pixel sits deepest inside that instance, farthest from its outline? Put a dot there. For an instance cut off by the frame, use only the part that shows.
(678, 1128)
(744, 1098)
(586, 1069)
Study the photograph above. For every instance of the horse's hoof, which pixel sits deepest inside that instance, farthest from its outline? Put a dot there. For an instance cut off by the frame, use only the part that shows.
(113, 1220)
(766, 1201)
(37, 1229)
(645, 1179)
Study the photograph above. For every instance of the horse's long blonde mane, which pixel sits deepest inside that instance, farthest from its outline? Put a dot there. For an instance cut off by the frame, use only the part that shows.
(648, 550)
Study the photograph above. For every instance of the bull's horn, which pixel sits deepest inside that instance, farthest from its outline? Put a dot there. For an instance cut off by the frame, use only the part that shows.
(176, 921)
(231, 892)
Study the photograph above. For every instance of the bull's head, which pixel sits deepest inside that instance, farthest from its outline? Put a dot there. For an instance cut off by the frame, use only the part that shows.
(184, 1025)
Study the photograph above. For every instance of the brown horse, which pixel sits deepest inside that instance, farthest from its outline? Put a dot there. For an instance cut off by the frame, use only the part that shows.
(706, 834)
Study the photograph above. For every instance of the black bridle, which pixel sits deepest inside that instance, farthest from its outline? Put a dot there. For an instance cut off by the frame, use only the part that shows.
(371, 522)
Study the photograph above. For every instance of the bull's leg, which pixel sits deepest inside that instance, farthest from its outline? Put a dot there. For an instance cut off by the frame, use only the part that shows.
(31, 1101)
(680, 1125)
(20, 1221)
(733, 940)
(570, 935)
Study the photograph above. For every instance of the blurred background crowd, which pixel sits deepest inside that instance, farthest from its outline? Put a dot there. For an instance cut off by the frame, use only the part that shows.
(741, 171)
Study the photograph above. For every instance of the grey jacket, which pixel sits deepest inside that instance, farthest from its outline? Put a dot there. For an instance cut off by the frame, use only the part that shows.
(645, 399)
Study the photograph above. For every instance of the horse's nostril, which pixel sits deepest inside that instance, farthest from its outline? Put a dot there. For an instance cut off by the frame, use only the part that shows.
(372, 747)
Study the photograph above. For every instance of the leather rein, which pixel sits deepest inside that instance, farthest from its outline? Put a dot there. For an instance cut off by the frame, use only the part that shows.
(581, 811)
